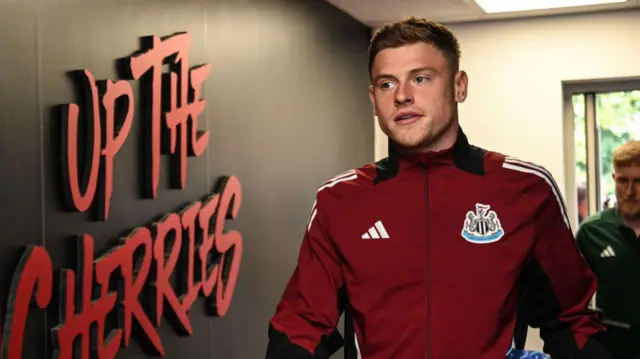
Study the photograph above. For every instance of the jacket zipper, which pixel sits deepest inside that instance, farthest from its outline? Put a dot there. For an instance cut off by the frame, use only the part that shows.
(428, 259)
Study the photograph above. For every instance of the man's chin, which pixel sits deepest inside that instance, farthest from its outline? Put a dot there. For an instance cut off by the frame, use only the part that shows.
(412, 142)
(410, 146)
(630, 212)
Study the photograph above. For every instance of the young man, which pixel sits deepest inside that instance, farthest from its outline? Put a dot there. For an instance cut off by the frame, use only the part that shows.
(610, 244)
(428, 247)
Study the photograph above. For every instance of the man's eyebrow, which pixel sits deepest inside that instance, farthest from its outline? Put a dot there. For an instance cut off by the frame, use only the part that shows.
(383, 77)
(412, 72)
(424, 69)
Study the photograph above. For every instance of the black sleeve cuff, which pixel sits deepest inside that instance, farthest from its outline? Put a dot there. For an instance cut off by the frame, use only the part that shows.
(280, 347)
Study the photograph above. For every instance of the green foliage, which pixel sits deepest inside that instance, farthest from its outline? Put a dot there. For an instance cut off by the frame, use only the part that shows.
(618, 116)
(618, 119)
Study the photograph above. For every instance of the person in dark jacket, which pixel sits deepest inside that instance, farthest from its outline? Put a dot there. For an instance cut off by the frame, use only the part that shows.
(610, 242)
(429, 247)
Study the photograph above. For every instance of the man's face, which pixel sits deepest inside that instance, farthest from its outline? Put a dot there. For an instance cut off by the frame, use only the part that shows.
(582, 208)
(627, 181)
(414, 92)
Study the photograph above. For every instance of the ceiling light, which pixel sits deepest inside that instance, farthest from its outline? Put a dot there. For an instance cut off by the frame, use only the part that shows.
(495, 6)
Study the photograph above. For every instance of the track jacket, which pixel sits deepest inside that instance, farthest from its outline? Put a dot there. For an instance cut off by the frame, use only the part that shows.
(429, 252)
(612, 250)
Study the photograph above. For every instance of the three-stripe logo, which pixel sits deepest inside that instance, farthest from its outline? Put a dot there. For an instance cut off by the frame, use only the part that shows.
(376, 232)
(608, 252)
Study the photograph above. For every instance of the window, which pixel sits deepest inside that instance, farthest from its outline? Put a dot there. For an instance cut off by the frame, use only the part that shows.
(602, 121)
(580, 153)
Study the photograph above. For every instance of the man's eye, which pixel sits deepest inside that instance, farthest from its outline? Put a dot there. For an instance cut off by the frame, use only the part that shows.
(386, 85)
(421, 79)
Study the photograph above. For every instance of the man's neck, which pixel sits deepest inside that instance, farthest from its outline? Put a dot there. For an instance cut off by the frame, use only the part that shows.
(632, 222)
(445, 141)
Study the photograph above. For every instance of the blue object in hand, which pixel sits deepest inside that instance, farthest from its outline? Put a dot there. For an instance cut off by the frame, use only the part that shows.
(525, 354)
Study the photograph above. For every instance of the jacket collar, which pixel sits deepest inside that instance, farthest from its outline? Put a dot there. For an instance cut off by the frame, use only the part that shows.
(613, 215)
(462, 155)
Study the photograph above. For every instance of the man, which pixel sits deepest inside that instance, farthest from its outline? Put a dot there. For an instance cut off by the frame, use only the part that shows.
(582, 203)
(426, 248)
(609, 242)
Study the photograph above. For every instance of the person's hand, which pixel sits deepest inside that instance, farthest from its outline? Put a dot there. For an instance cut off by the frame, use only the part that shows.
(525, 354)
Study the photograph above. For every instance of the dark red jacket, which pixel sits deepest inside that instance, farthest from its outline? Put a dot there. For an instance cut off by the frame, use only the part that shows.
(429, 252)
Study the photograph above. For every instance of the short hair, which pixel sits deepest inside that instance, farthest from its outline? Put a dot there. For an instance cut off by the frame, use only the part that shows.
(412, 30)
(627, 154)
(582, 192)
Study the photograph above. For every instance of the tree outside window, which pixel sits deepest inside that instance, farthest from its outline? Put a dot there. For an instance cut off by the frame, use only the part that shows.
(618, 121)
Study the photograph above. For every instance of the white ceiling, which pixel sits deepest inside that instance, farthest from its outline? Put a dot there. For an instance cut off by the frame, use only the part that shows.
(377, 12)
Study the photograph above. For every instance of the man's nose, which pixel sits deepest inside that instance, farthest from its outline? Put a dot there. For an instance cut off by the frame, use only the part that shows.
(403, 96)
(631, 189)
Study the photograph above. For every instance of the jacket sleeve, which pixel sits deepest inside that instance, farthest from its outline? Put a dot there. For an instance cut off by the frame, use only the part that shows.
(559, 286)
(304, 325)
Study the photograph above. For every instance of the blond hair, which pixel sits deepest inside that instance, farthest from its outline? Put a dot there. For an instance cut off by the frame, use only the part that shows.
(627, 154)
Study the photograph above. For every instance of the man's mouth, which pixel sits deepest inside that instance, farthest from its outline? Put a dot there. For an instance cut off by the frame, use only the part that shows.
(405, 116)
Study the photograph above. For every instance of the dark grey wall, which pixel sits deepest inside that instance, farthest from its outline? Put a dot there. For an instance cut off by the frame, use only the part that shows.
(287, 108)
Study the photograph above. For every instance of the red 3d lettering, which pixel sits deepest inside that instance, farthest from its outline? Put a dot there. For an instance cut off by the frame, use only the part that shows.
(191, 245)
(84, 306)
(185, 106)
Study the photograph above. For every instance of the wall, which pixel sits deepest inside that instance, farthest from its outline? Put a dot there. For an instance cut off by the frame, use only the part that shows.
(287, 108)
(516, 69)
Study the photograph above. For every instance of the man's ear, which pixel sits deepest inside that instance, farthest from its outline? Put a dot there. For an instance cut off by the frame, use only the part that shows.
(461, 86)
(373, 100)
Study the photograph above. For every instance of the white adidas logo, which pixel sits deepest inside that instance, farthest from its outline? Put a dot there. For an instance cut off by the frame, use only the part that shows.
(608, 252)
(376, 232)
